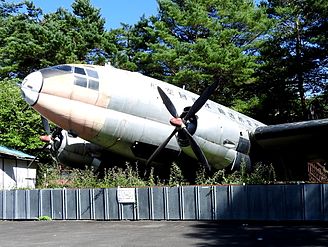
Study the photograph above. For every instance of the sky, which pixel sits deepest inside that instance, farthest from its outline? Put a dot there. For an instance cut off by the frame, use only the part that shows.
(115, 12)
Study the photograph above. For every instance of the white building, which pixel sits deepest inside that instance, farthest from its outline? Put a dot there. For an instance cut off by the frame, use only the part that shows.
(16, 170)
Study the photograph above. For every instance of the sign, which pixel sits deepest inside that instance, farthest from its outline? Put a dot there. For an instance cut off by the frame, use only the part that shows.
(126, 195)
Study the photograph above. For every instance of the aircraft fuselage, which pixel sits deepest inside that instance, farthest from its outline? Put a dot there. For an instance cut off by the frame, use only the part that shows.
(117, 109)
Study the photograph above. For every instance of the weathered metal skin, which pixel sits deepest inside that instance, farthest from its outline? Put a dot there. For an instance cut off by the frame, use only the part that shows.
(126, 108)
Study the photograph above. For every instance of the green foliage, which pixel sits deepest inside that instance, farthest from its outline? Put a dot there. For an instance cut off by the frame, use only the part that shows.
(246, 107)
(21, 39)
(128, 177)
(50, 176)
(44, 218)
(261, 174)
(202, 178)
(293, 58)
(31, 40)
(203, 41)
(20, 126)
(176, 176)
(194, 43)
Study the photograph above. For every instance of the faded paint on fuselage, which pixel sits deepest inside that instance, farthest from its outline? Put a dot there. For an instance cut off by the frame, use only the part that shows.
(127, 108)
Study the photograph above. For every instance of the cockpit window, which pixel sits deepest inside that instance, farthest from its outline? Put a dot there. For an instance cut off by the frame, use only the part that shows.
(83, 77)
(79, 70)
(92, 73)
(56, 71)
(86, 77)
(64, 68)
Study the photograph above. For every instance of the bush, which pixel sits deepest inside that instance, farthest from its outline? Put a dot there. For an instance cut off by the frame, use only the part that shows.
(53, 177)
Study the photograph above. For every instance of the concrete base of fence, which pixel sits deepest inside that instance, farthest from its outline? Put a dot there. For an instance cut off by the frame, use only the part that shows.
(304, 202)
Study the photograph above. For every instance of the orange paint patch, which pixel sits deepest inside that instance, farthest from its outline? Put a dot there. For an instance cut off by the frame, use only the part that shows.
(84, 119)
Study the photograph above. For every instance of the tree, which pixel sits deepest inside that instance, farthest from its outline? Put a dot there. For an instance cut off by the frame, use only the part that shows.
(129, 47)
(294, 58)
(20, 126)
(21, 39)
(75, 37)
(31, 41)
(198, 42)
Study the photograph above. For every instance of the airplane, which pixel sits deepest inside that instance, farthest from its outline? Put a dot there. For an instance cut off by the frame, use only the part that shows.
(102, 110)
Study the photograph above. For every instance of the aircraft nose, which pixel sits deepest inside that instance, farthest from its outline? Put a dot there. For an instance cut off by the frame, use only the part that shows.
(31, 86)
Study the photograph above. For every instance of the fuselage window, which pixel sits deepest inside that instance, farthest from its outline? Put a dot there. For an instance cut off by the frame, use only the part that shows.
(92, 73)
(182, 96)
(221, 111)
(249, 123)
(79, 71)
(80, 81)
(240, 119)
(169, 91)
(231, 115)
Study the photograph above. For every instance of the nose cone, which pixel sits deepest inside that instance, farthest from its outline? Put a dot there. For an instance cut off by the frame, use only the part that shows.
(31, 87)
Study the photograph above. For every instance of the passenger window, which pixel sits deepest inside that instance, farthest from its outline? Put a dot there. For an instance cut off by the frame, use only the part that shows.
(231, 115)
(79, 71)
(80, 81)
(240, 119)
(182, 96)
(92, 73)
(221, 111)
(93, 84)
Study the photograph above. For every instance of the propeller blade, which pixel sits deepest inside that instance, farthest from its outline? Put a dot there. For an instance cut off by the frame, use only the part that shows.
(201, 100)
(197, 150)
(36, 156)
(159, 149)
(45, 125)
(168, 103)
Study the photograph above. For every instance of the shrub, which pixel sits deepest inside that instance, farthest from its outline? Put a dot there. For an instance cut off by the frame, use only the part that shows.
(51, 176)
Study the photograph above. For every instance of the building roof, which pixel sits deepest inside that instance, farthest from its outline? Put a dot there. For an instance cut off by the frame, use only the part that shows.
(15, 153)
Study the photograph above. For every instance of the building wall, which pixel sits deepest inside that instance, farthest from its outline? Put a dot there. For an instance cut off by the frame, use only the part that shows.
(15, 173)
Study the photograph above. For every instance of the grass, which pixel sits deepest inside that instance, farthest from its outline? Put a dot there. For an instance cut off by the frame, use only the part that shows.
(44, 218)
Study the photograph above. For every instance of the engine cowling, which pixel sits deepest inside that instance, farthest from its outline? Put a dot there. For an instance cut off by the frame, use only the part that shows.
(75, 152)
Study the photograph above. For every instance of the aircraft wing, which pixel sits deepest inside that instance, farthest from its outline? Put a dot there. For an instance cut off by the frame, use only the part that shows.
(307, 139)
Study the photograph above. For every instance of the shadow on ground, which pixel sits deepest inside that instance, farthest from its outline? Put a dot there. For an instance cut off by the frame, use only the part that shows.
(258, 234)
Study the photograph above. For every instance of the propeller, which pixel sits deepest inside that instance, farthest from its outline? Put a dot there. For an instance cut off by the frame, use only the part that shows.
(51, 139)
(181, 123)
(45, 124)
(45, 146)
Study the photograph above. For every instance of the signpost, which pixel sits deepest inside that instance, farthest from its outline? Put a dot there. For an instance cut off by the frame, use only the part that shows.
(126, 195)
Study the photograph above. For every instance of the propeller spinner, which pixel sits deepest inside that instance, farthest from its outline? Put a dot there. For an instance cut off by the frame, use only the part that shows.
(181, 122)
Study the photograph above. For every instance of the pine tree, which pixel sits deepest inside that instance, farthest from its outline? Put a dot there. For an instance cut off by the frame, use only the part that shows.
(192, 43)
(294, 58)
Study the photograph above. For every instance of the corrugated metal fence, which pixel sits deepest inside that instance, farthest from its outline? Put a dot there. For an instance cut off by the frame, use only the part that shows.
(251, 202)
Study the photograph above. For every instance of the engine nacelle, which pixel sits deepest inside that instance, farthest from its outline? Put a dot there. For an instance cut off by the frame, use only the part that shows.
(75, 152)
(241, 160)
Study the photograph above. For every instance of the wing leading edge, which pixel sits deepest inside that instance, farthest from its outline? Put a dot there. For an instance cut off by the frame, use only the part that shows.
(308, 139)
